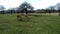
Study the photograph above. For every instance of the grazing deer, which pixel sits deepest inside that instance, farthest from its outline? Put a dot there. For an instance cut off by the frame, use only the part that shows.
(19, 16)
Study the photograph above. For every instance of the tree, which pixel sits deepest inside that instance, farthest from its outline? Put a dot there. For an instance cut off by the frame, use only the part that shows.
(2, 8)
(58, 7)
(25, 6)
(50, 9)
(11, 10)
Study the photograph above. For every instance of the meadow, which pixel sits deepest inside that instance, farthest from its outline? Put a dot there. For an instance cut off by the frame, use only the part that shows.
(37, 24)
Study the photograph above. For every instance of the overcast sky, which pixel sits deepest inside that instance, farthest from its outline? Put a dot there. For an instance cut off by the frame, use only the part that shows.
(38, 4)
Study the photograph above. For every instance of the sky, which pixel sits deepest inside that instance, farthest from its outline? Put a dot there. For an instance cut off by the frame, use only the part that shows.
(37, 4)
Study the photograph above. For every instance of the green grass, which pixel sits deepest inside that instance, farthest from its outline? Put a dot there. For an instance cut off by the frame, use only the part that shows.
(42, 24)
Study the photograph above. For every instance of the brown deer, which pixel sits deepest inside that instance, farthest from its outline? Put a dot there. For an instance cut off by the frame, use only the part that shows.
(19, 16)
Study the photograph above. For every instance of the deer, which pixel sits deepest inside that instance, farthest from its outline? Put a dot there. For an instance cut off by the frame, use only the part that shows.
(19, 16)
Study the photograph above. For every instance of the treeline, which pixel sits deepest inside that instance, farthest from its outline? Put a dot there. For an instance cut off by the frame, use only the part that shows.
(30, 9)
(46, 11)
(15, 11)
(33, 11)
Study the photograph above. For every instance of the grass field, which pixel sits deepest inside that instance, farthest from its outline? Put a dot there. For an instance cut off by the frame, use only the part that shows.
(42, 24)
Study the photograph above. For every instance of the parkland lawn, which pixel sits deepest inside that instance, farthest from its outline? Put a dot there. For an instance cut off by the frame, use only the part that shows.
(42, 24)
